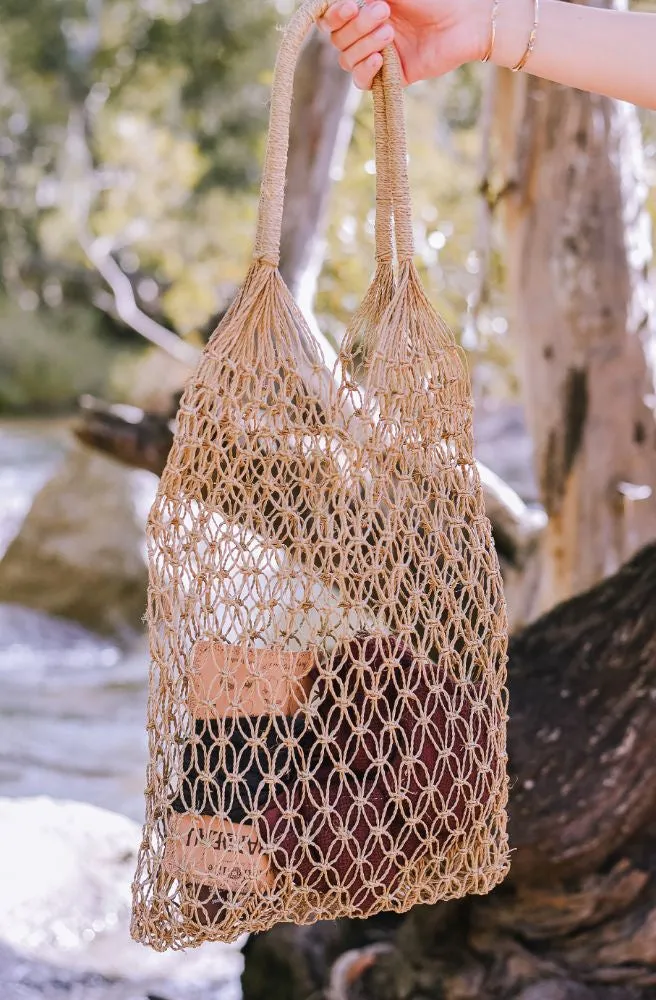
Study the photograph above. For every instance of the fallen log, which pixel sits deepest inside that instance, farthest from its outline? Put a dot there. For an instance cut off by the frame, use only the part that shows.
(576, 919)
(142, 440)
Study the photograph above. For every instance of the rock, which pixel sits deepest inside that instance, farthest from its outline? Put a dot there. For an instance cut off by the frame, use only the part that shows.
(29, 455)
(80, 551)
(65, 872)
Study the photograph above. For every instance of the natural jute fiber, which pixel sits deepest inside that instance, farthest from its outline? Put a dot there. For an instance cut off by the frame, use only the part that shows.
(327, 708)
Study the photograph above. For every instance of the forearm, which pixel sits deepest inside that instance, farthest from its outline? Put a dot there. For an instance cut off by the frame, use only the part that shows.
(605, 51)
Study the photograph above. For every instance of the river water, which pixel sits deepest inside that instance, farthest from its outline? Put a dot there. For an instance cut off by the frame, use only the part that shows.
(72, 707)
(72, 714)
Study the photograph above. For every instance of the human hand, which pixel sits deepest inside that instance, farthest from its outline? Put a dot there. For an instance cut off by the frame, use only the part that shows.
(431, 37)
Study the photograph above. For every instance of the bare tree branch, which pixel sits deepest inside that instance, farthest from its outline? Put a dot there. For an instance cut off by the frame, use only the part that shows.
(82, 177)
(126, 303)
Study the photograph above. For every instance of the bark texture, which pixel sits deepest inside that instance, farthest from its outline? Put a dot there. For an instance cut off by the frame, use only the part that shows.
(579, 246)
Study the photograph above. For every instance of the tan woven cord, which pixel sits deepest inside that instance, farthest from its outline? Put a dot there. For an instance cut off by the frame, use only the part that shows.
(327, 708)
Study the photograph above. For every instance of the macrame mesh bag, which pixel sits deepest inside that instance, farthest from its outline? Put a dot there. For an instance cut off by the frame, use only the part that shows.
(327, 708)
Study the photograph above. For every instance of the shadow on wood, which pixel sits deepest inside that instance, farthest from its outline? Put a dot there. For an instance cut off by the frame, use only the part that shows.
(576, 919)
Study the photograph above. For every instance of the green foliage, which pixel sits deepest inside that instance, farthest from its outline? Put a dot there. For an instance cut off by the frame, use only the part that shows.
(50, 358)
(170, 97)
(143, 121)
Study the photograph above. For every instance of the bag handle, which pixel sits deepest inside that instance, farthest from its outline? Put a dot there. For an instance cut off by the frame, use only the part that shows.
(384, 202)
(393, 203)
(390, 101)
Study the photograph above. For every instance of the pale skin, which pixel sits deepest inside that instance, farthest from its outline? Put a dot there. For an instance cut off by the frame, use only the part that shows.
(606, 52)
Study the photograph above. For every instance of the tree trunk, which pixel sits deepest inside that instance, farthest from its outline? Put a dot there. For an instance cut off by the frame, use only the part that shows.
(321, 127)
(576, 919)
(579, 245)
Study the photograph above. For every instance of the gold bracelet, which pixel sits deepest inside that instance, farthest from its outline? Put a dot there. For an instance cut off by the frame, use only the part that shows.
(531, 38)
(493, 31)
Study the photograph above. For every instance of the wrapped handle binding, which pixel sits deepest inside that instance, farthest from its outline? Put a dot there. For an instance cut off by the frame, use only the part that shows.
(392, 186)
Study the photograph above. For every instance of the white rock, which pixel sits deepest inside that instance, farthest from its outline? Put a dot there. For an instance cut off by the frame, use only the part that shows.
(65, 872)
(80, 551)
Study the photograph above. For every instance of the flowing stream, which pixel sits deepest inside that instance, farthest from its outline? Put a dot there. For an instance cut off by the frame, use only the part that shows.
(72, 714)
(72, 704)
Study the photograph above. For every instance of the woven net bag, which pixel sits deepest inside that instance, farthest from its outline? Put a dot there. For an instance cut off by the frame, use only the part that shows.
(327, 708)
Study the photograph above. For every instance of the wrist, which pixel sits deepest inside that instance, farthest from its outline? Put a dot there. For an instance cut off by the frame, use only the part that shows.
(480, 28)
(513, 24)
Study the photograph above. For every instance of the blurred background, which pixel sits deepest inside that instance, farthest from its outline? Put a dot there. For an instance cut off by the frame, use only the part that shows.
(131, 140)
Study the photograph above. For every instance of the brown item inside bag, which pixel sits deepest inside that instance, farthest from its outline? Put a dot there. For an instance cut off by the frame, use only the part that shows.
(227, 680)
(210, 841)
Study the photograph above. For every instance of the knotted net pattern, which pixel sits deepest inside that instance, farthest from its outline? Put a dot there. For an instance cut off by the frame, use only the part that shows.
(327, 707)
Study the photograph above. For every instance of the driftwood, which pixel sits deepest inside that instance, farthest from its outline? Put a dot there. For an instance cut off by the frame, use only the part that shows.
(577, 918)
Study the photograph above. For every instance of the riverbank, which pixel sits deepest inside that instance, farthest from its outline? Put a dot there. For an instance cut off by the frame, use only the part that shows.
(65, 871)
(72, 762)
